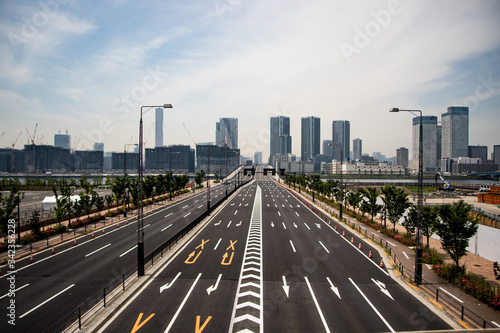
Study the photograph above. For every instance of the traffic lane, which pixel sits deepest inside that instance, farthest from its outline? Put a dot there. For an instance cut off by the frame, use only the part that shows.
(203, 261)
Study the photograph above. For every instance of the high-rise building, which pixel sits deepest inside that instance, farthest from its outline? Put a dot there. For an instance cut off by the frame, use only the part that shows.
(178, 158)
(226, 133)
(455, 132)
(357, 149)
(341, 139)
(478, 152)
(280, 139)
(496, 155)
(429, 141)
(327, 147)
(310, 138)
(402, 157)
(439, 140)
(62, 141)
(159, 128)
(99, 146)
(257, 158)
(214, 159)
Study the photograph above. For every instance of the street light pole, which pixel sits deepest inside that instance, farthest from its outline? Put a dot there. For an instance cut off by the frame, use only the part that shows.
(418, 242)
(125, 182)
(140, 224)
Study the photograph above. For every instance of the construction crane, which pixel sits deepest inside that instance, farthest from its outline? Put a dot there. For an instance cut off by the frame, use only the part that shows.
(227, 137)
(189, 134)
(58, 129)
(447, 186)
(12, 165)
(1, 136)
(32, 138)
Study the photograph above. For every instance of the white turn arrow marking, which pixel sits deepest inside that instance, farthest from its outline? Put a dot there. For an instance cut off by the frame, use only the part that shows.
(213, 288)
(294, 224)
(332, 287)
(238, 224)
(218, 222)
(318, 225)
(285, 287)
(168, 285)
(382, 288)
(272, 224)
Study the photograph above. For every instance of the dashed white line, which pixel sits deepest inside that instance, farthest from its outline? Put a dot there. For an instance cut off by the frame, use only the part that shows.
(168, 226)
(91, 253)
(124, 253)
(324, 247)
(317, 305)
(451, 295)
(405, 255)
(307, 226)
(217, 245)
(185, 206)
(187, 214)
(15, 291)
(293, 247)
(297, 214)
(168, 215)
(200, 206)
(41, 304)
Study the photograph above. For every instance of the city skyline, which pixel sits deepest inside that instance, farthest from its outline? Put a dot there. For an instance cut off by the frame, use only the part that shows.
(71, 66)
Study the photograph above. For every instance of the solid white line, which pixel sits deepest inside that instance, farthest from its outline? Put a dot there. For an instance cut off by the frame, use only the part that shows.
(215, 248)
(168, 226)
(373, 307)
(91, 253)
(324, 247)
(124, 253)
(293, 247)
(317, 305)
(451, 295)
(168, 215)
(182, 304)
(187, 214)
(41, 304)
(405, 255)
(15, 290)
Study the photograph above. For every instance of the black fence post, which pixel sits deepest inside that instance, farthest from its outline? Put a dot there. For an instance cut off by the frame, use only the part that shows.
(79, 319)
(104, 295)
(437, 295)
(123, 281)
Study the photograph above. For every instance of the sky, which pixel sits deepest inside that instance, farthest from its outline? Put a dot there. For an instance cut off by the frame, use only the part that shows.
(88, 66)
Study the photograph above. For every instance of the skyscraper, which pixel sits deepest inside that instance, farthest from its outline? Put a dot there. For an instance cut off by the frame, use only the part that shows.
(496, 155)
(478, 152)
(159, 128)
(310, 137)
(280, 139)
(341, 139)
(327, 147)
(62, 141)
(455, 132)
(429, 134)
(226, 133)
(402, 157)
(357, 149)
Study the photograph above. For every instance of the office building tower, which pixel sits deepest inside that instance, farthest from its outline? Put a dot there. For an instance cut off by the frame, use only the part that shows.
(62, 141)
(478, 152)
(176, 158)
(214, 159)
(455, 132)
(99, 146)
(310, 138)
(429, 136)
(496, 155)
(357, 149)
(226, 133)
(159, 128)
(280, 139)
(341, 139)
(257, 158)
(402, 157)
(439, 138)
(327, 147)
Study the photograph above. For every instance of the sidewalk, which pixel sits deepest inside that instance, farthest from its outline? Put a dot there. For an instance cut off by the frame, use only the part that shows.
(404, 256)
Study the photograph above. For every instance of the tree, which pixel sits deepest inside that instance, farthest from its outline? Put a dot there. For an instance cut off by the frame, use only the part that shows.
(118, 188)
(411, 220)
(429, 222)
(34, 223)
(109, 200)
(148, 186)
(354, 199)
(396, 202)
(7, 206)
(60, 208)
(99, 202)
(455, 228)
(369, 201)
(198, 179)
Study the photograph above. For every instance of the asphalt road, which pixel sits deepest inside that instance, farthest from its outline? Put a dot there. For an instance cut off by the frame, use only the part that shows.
(55, 284)
(268, 263)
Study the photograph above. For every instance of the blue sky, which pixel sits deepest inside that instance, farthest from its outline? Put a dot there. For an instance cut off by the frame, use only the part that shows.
(89, 65)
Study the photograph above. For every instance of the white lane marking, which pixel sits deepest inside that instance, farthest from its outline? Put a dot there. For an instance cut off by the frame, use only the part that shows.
(279, 213)
(494, 323)
(185, 206)
(229, 224)
(91, 253)
(218, 222)
(168, 226)
(458, 299)
(196, 200)
(307, 226)
(168, 285)
(405, 255)
(15, 291)
(324, 247)
(200, 206)
(182, 304)
(391, 243)
(317, 305)
(286, 288)
(293, 247)
(124, 253)
(373, 307)
(168, 215)
(428, 266)
(215, 248)
(297, 214)
(284, 226)
(236, 212)
(46, 301)
(333, 288)
(214, 287)
(187, 214)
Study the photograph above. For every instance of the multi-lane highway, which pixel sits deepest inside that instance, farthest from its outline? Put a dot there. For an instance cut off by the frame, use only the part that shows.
(55, 284)
(266, 262)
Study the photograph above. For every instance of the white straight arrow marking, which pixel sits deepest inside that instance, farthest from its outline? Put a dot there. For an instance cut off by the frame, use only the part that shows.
(382, 288)
(168, 285)
(272, 224)
(285, 287)
(333, 288)
(213, 288)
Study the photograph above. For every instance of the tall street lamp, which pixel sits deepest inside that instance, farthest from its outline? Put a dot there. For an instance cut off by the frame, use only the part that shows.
(170, 167)
(125, 182)
(418, 242)
(341, 183)
(140, 224)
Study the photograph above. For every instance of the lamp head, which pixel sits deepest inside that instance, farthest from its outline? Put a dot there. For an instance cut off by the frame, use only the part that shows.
(394, 110)
(167, 106)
